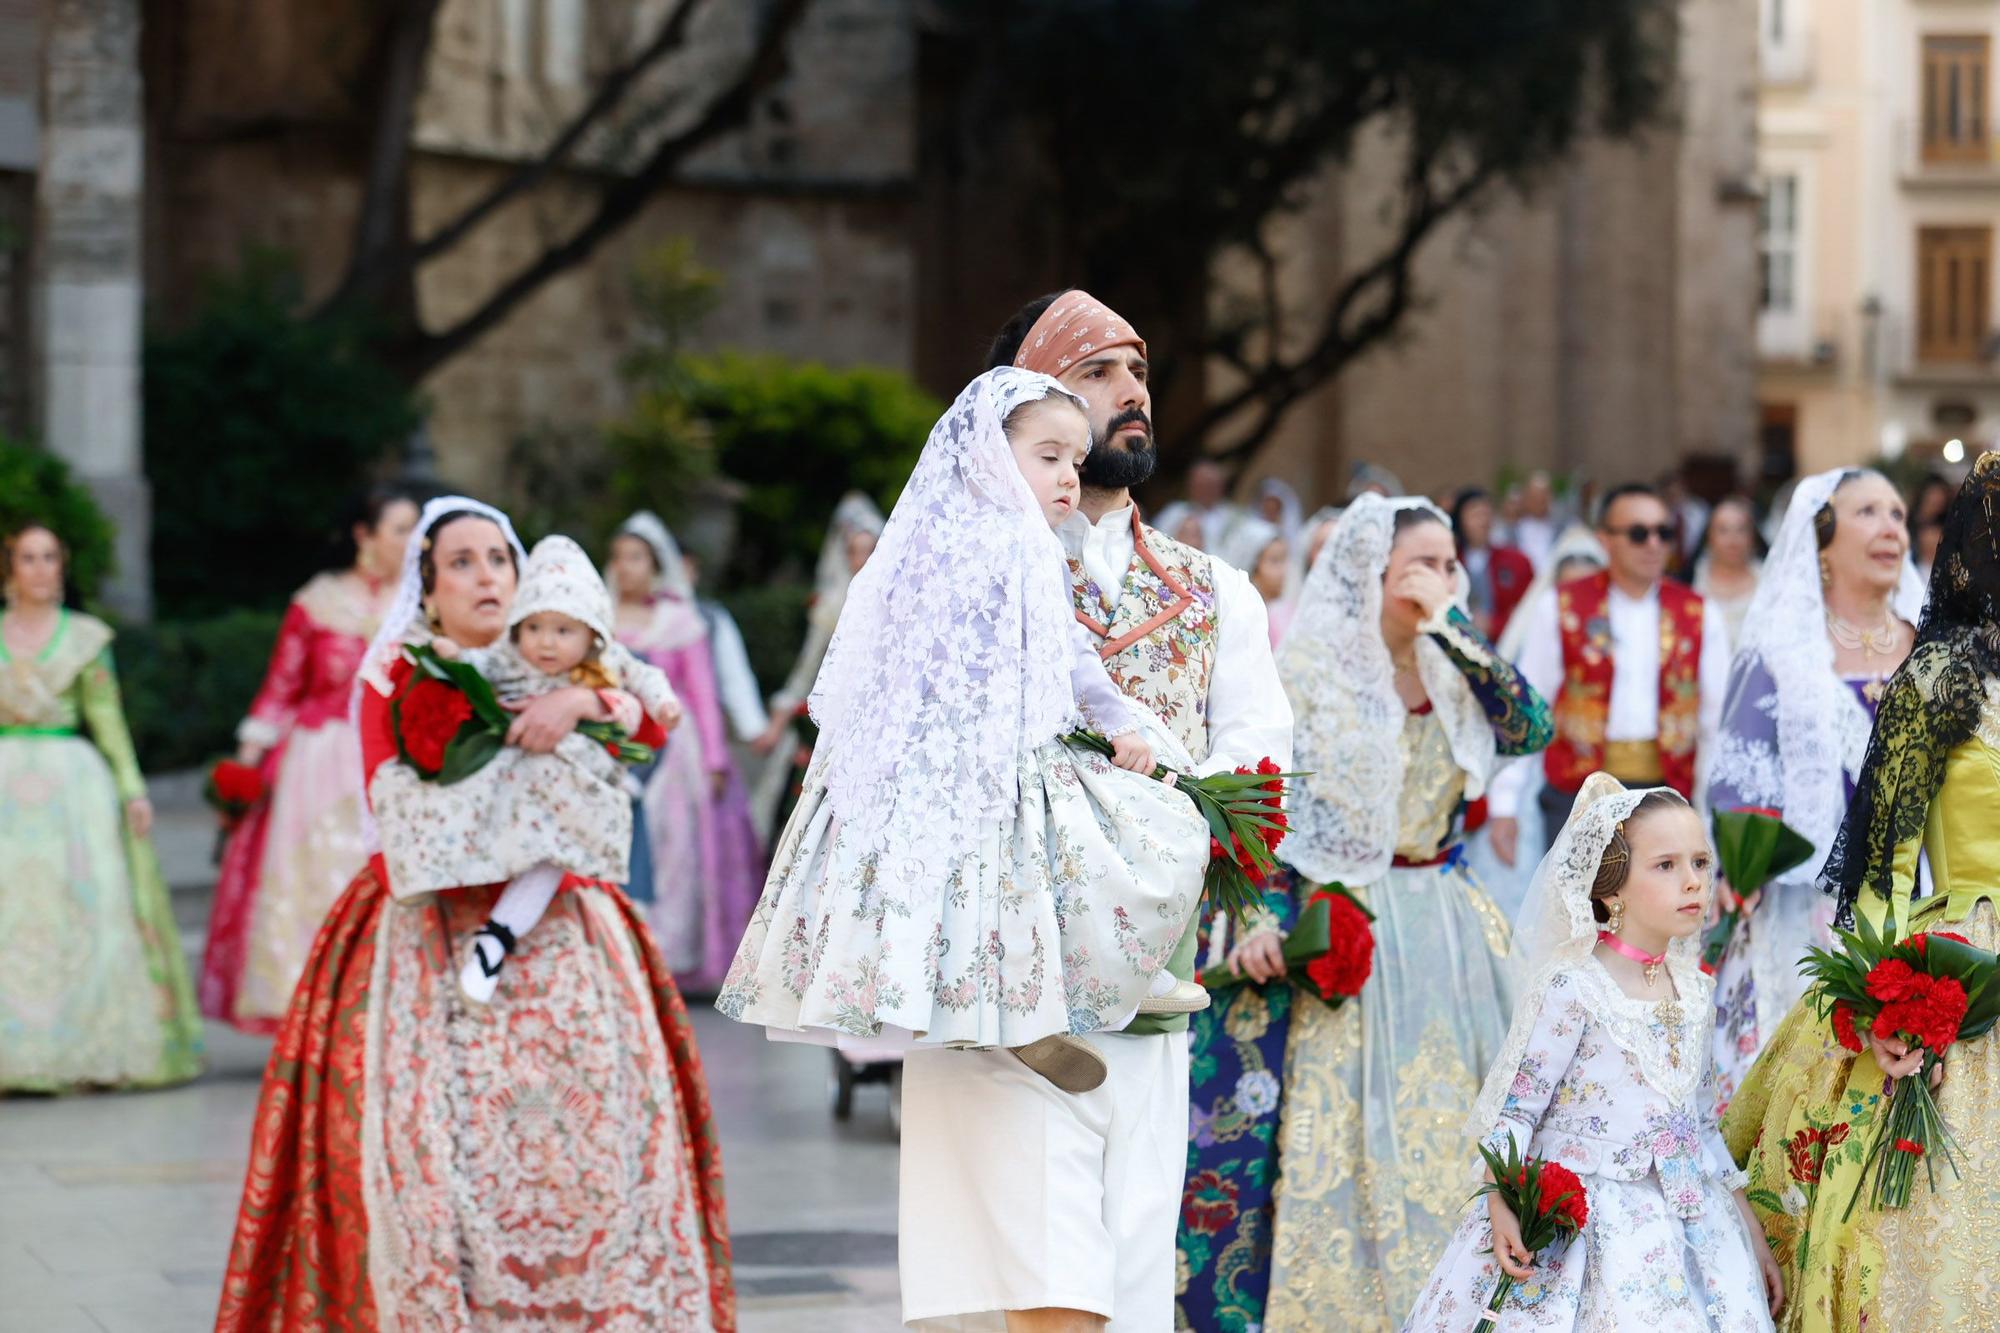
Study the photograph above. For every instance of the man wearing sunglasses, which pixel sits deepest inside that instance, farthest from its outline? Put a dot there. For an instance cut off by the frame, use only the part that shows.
(1636, 664)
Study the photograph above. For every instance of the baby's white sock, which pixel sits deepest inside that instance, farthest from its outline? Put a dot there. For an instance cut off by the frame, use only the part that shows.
(516, 912)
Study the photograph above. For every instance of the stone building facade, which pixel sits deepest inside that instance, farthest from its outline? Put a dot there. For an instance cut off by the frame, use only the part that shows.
(1601, 326)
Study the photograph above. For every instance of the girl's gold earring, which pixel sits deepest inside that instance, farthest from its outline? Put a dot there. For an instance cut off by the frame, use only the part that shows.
(1616, 908)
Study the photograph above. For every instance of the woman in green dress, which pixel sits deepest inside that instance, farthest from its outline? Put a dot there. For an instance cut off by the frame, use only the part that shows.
(1804, 1118)
(93, 985)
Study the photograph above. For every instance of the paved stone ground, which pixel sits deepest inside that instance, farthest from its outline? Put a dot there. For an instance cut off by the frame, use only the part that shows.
(116, 1210)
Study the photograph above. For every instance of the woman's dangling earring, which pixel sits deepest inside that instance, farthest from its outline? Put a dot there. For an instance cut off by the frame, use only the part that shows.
(1825, 572)
(1615, 908)
(431, 617)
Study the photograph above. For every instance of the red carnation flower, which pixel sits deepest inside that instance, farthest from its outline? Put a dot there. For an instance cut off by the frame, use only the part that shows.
(1893, 979)
(1558, 1180)
(431, 714)
(237, 784)
(1943, 1012)
(1843, 1028)
(1344, 968)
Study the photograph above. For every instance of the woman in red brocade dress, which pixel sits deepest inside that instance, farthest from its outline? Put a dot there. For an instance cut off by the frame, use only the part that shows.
(289, 858)
(547, 1161)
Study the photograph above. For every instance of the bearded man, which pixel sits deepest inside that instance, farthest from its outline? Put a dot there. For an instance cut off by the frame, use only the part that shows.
(1023, 1207)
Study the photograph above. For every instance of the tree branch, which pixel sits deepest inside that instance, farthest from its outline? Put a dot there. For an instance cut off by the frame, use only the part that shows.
(619, 202)
(671, 37)
(381, 229)
(1365, 310)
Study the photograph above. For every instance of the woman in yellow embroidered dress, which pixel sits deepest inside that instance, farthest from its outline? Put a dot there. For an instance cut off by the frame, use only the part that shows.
(1402, 709)
(1803, 1119)
(93, 986)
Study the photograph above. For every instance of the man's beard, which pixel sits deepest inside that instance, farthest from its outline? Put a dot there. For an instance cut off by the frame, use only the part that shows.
(1119, 465)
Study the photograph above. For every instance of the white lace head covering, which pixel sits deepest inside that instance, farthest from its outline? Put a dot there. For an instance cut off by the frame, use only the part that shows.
(560, 578)
(1289, 507)
(1822, 729)
(672, 578)
(855, 513)
(1349, 718)
(1557, 930)
(1576, 543)
(404, 621)
(952, 657)
(1244, 544)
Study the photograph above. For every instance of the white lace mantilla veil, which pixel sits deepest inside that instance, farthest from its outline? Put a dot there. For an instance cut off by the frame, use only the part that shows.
(1347, 736)
(1822, 729)
(1557, 930)
(952, 657)
(854, 513)
(404, 620)
(672, 580)
(1577, 542)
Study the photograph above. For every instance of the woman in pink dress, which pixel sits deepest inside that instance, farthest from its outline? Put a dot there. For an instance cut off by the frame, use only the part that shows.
(291, 856)
(707, 869)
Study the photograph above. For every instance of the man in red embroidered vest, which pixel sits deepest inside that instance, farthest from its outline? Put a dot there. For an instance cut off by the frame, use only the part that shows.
(1024, 1205)
(1636, 664)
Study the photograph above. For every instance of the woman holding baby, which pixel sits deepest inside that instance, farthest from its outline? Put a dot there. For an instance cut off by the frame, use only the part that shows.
(545, 1159)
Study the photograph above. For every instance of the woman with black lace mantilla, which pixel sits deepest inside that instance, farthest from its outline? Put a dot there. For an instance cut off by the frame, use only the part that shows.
(1803, 1120)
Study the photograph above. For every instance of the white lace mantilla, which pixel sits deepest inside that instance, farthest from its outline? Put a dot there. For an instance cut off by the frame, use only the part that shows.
(953, 654)
(1821, 728)
(1342, 687)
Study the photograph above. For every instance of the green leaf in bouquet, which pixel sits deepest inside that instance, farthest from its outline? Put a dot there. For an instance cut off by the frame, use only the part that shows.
(470, 750)
(1754, 846)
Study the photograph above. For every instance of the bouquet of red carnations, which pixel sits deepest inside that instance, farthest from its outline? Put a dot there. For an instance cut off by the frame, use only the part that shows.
(1330, 952)
(232, 790)
(1547, 1199)
(1246, 818)
(1754, 846)
(449, 724)
(1929, 991)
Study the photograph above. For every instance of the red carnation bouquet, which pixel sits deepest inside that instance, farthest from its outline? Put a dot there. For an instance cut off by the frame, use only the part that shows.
(1929, 991)
(1246, 818)
(233, 790)
(1548, 1200)
(1330, 952)
(449, 724)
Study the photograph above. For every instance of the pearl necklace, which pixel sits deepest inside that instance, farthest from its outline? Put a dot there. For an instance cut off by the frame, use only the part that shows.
(1880, 641)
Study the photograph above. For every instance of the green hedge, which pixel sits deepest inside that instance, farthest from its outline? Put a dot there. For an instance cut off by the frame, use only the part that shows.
(773, 621)
(187, 683)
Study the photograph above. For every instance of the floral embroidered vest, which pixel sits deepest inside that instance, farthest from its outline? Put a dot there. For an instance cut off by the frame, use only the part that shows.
(1159, 636)
(1583, 707)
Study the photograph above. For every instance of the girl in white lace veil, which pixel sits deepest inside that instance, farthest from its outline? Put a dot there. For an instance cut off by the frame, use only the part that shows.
(1336, 668)
(1557, 928)
(1604, 1072)
(933, 859)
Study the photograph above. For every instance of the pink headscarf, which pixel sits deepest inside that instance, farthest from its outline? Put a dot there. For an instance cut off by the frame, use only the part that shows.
(1075, 325)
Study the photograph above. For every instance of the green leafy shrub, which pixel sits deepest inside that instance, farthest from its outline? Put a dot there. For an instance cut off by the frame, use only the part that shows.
(260, 424)
(798, 435)
(35, 484)
(187, 683)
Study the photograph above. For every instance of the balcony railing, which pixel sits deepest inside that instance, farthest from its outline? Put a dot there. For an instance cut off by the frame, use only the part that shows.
(1965, 151)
